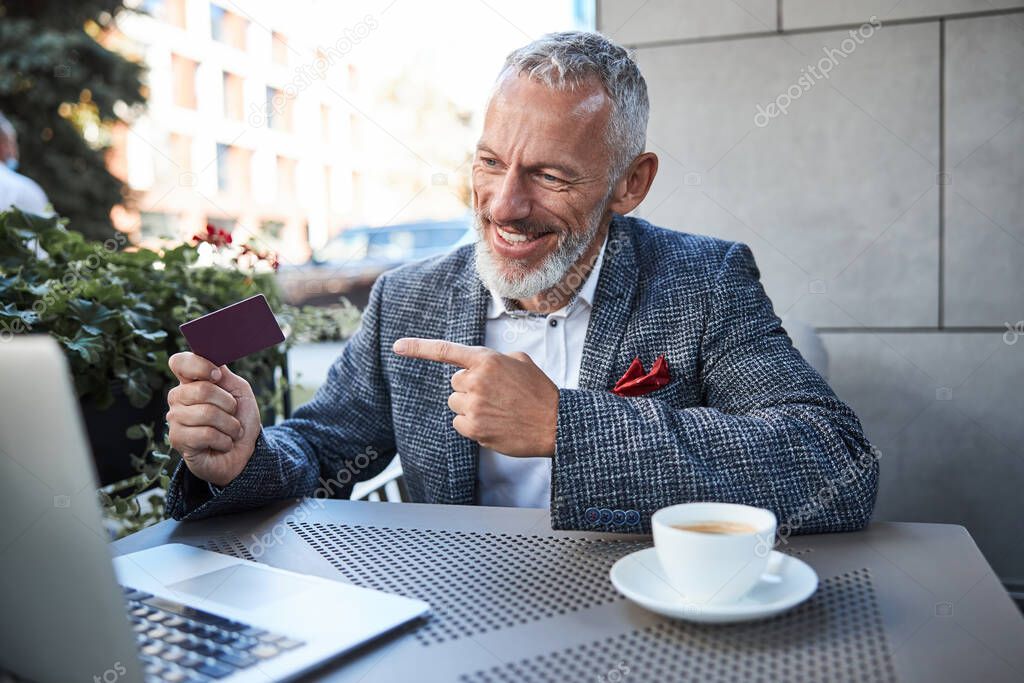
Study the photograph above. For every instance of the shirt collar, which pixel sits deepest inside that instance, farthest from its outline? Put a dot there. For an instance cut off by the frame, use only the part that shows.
(496, 307)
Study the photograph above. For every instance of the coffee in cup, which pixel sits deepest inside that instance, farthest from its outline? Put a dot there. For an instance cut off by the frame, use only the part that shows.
(717, 527)
(713, 553)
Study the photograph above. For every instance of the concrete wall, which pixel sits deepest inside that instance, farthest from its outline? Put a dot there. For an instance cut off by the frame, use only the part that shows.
(885, 207)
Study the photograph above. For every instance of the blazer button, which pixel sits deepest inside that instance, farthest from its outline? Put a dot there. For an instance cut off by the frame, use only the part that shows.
(606, 516)
(632, 517)
(618, 517)
(592, 515)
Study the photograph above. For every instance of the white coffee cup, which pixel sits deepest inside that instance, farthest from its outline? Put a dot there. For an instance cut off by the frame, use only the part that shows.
(713, 568)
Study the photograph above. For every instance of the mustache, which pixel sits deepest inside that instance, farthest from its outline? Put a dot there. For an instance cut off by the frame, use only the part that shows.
(526, 227)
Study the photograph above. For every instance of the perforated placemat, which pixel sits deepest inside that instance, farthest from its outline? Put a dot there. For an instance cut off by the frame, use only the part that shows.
(837, 635)
(228, 544)
(513, 579)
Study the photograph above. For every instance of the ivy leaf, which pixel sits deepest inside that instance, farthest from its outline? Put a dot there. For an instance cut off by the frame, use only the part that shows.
(41, 289)
(89, 346)
(94, 316)
(152, 335)
(141, 315)
(8, 283)
(11, 312)
(136, 388)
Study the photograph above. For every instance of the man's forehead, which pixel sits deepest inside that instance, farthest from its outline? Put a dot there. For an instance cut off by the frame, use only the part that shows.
(587, 98)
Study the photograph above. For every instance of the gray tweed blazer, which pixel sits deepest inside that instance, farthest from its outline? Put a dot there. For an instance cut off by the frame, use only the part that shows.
(744, 419)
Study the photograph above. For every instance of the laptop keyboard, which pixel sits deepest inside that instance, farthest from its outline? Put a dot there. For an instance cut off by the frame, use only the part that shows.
(181, 644)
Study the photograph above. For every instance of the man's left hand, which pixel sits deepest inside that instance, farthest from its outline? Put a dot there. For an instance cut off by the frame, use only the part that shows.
(502, 401)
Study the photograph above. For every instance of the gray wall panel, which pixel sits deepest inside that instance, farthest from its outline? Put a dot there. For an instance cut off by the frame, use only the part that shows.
(811, 13)
(644, 21)
(945, 410)
(985, 152)
(838, 197)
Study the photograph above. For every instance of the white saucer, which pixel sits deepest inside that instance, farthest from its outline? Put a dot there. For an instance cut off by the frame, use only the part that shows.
(639, 577)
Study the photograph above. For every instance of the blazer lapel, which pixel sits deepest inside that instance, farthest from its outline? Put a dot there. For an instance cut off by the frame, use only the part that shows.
(613, 303)
(467, 314)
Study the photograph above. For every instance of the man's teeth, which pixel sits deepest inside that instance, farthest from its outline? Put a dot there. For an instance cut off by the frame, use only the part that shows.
(514, 237)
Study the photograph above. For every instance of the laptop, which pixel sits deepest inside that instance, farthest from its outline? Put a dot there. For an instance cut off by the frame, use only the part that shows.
(169, 613)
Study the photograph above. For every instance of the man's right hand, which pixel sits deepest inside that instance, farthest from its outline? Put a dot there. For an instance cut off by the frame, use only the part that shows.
(213, 419)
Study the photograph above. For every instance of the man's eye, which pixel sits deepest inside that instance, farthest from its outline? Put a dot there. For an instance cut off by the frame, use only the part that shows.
(489, 162)
(550, 178)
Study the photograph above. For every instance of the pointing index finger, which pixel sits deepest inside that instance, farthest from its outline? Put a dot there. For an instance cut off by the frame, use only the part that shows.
(440, 350)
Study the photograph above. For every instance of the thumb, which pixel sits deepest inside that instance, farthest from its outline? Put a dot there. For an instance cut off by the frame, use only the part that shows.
(232, 383)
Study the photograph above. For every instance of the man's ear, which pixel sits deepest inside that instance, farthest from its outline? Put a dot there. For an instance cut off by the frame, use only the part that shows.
(634, 184)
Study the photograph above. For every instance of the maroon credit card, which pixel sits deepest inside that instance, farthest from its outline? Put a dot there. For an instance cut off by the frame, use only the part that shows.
(234, 331)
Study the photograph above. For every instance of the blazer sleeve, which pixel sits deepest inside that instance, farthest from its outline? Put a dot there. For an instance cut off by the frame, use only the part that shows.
(770, 431)
(342, 436)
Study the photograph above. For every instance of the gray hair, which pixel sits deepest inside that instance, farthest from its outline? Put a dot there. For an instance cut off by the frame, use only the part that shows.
(566, 60)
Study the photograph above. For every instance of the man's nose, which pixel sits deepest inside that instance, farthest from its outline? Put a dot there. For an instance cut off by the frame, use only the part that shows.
(510, 202)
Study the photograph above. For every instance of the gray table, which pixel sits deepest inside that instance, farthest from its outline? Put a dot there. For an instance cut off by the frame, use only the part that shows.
(515, 601)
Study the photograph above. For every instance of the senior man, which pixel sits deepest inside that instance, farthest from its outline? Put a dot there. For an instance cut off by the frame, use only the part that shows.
(574, 358)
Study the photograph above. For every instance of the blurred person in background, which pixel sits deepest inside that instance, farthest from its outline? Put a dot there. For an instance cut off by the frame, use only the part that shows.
(15, 189)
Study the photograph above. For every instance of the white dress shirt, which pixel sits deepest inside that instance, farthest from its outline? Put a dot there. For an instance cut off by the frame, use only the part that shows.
(555, 343)
(21, 192)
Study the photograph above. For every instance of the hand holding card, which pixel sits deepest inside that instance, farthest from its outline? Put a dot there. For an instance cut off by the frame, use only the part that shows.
(213, 419)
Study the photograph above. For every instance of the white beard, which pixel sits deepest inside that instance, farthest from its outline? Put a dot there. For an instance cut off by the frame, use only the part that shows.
(510, 279)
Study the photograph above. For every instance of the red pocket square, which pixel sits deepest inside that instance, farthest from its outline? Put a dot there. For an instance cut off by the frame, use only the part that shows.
(637, 383)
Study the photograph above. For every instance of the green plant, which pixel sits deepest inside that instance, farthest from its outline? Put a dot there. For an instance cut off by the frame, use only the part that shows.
(115, 311)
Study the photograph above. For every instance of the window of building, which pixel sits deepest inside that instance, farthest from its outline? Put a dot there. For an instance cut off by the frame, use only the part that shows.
(233, 170)
(227, 27)
(234, 96)
(223, 168)
(279, 110)
(158, 225)
(183, 77)
(181, 152)
(168, 11)
(217, 22)
(272, 230)
(241, 170)
(279, 49)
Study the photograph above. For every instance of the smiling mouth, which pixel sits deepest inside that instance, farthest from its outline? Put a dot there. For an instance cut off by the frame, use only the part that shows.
(517, 237)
